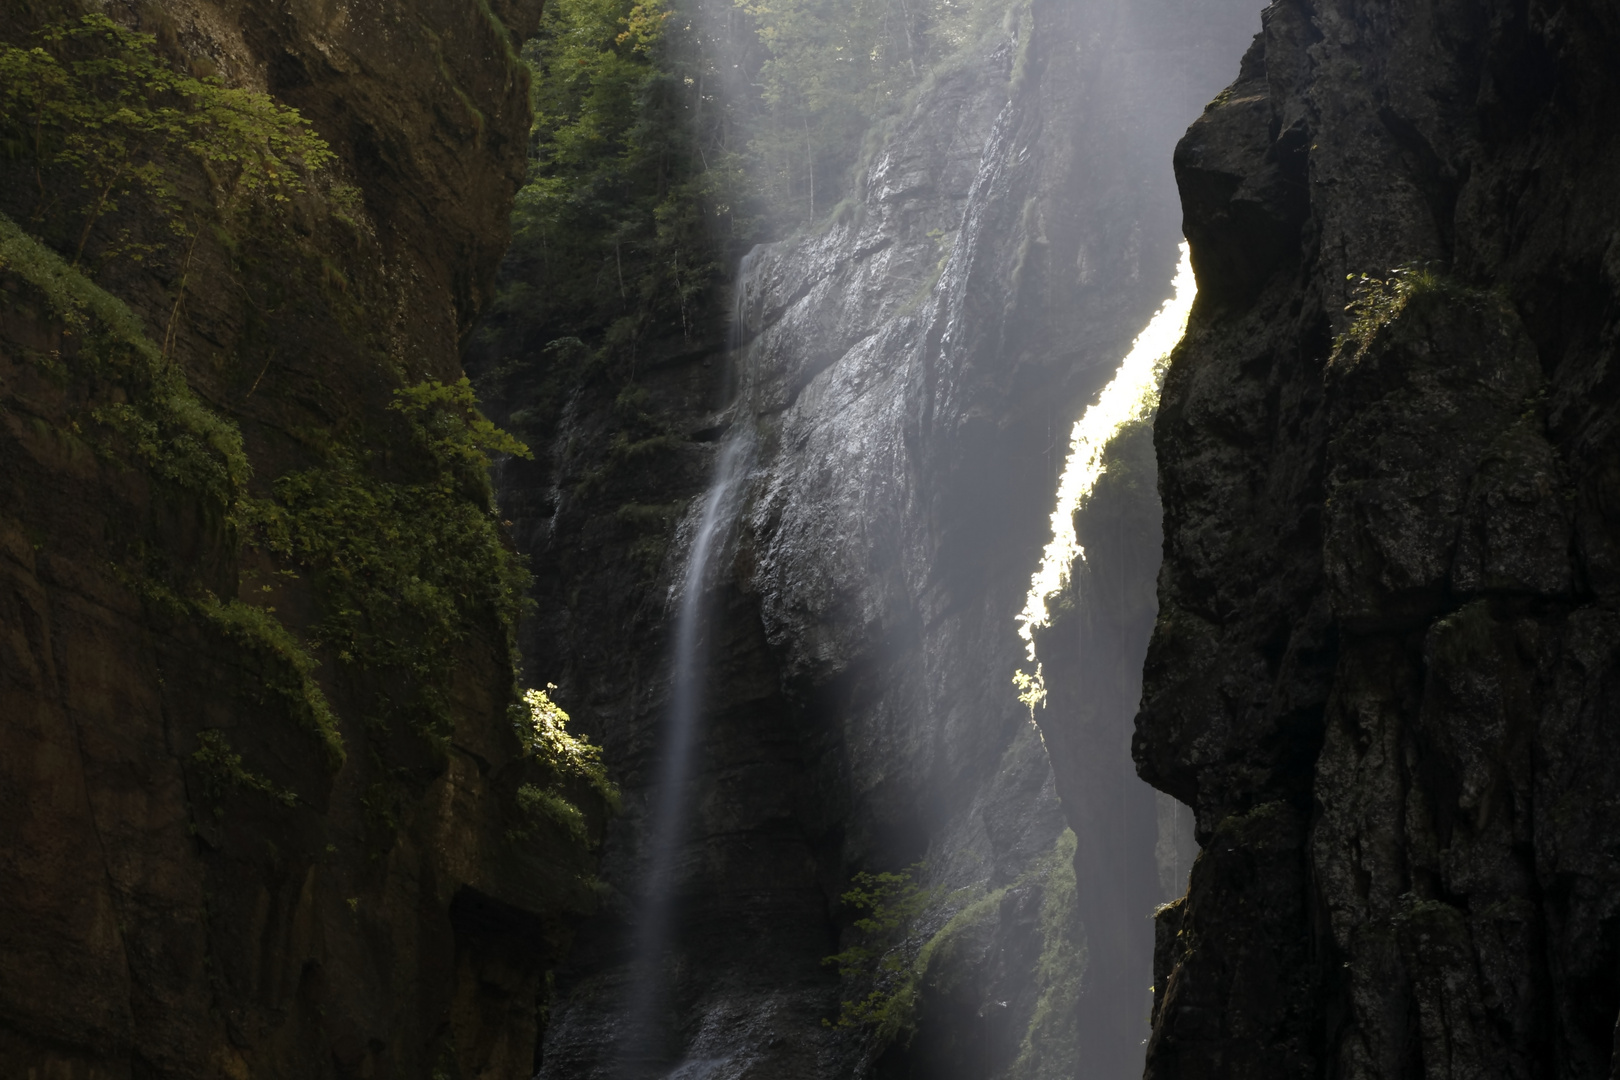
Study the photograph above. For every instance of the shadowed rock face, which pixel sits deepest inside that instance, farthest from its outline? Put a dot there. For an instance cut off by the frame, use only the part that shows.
(909, 374)
(1384, 670)
(157, 920)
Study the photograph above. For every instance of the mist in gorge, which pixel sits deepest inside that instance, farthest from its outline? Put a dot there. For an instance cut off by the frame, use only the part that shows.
(804, 300)
(809, 540)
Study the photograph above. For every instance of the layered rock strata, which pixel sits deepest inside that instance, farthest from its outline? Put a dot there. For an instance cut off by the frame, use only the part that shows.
(1385, 662)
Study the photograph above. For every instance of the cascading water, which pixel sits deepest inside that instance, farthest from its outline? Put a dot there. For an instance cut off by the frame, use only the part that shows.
(641, 1047)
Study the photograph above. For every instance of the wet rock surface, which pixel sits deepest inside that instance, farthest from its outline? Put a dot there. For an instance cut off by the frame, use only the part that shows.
(907, 374)
(1383, 670)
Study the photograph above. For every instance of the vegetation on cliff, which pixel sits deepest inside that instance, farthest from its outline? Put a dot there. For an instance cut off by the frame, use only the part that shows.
(126, 151)
(669, 137)
(911, 939)
(120, 164)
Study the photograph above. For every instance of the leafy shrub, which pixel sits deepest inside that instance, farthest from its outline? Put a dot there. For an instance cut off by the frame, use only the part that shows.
(885, 959)
(1376, 301)
(542, 728)
(408, 568)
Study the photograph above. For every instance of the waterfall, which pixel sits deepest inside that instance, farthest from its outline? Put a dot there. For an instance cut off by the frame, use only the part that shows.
(641, 1046)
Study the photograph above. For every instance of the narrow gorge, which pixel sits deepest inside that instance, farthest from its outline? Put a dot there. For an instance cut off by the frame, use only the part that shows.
(887, 398)
(808, 539)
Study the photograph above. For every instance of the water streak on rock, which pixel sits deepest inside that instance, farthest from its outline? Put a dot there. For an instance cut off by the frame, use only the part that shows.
(668, 806)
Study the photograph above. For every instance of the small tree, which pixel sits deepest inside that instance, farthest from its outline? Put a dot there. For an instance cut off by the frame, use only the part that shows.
(884, 959)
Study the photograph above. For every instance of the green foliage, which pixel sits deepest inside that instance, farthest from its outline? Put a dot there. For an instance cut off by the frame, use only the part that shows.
(408, 568)
(1377, 301)
(161, 423)
(672, 135)
(120, 158)
(831, 71)
(542, 728)
(220, 769)
(538, 802)
(101, 118)
(447, 424)
(611, 239)
(885, 959)
(897, 953)
(287, 671)
(292, 676)
(162, 426)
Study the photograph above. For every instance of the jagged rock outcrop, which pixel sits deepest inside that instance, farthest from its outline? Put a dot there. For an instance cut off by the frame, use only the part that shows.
(907, 375)
(1384, 667)
(190, 883)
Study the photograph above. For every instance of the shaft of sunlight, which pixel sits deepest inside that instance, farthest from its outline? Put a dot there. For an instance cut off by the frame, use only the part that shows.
(1131, 395)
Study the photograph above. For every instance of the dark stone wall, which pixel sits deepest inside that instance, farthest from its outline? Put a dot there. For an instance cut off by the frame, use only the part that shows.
(1384, 669)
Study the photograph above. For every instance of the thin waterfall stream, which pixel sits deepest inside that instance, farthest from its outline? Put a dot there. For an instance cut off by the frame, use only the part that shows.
(667, 809)
(642, 1043)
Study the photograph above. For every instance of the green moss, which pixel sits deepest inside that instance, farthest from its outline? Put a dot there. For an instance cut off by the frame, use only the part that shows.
(393, 524)
(538, 802)
(408, 568)
(162, 424)
(1377, 302)
(220, 770)
(287, 669)
(164, 429)
(514, 62)
(1051, 1042)
(258, 631)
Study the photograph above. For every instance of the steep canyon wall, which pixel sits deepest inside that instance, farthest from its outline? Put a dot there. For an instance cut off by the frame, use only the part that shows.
(231, 846)
(1384, 668)
(906, 375)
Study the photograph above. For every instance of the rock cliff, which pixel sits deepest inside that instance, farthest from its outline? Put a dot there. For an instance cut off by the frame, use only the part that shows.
(904, 377)
(1385, 662)
(261, 794)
